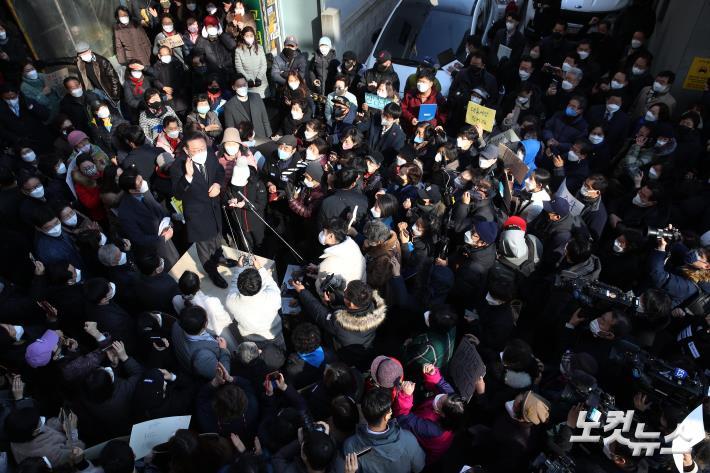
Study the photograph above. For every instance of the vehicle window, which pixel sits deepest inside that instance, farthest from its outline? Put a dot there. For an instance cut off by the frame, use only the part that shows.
(418, 31)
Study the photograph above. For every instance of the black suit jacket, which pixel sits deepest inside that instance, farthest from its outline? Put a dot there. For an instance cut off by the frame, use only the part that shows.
(615, 129)
(157, 292)
(140, 220)
(143, 158)
(235, 112)
(203, 215)
(389, 143)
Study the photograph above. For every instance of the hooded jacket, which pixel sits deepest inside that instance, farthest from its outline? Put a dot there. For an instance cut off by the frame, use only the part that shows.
(394, 451)
(344, 259)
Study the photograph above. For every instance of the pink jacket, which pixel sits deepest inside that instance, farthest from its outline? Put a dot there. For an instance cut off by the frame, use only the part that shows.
(423, 421)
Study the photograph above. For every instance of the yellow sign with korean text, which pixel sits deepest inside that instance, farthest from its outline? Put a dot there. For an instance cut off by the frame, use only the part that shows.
(480, 115)
(698, 74)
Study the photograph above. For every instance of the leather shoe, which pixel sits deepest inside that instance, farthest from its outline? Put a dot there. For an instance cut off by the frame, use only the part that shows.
(217, 279)
(228, 262)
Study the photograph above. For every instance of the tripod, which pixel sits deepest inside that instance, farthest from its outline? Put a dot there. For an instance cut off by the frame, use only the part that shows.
(241, 231)
(251, 206)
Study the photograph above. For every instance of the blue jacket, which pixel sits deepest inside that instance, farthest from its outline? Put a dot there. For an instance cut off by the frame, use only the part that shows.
(57, 250)
(678, 287)
(395, 451)
(564, 131)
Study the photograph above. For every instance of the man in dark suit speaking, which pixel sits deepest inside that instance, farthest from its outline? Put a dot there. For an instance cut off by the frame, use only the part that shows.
(196, 177)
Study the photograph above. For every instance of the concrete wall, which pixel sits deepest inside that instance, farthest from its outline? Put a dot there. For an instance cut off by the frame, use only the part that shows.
(682, 34)
(298, 18)
(358, 20)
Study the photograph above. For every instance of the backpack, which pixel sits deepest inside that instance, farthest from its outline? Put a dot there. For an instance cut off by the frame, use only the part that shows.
(698, 304)
(528, 266)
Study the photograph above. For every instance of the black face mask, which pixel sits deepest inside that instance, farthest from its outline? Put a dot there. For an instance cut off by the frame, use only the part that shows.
(339, 112)
(349, 65)
(476, 70)
(381, 67)
(155, 105)
(288, 53)
(213, 90)
(557, 36)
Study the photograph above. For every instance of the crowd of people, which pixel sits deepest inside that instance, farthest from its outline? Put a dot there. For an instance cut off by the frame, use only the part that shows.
(413, 238)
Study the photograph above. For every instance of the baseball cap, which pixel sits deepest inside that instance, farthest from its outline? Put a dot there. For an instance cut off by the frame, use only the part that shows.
(291, 41)
(341, 100)
(39, 352)
(288, 140)
(515, 222)
(383, 56)
(557, 206)
(431, 192)
(487, 231)
(376, 157)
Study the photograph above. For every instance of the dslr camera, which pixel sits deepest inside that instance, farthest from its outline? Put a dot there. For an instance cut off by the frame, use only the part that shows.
(592, 293)
(670, 235)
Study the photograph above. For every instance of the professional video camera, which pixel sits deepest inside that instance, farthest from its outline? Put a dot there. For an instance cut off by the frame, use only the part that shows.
(672, 234)
(590, 293)
(658, 378)
(558, 464)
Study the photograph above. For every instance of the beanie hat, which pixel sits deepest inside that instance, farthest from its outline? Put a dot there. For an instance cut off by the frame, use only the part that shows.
(76, 137)
(81, 47)
(211, 20)
(240, 174)
(231, 134)
(325, 41)
(39, 352)
(386, 372)
(487, 231)
(315, 170)
(149, 391)
(349, 56)
(536, 409)
(513, 246)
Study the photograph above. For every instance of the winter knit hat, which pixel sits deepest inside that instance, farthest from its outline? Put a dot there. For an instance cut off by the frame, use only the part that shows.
(211, 20)
(76, 137)
(39, 352)
(536, 409)
(325, 41)
(315, 170)
(386, 372)
(487, 231)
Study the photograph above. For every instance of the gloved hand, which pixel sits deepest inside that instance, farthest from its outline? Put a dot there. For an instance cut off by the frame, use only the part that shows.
(250, 83)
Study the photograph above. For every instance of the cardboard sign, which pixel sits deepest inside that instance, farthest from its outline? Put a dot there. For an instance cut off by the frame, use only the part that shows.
(466, 367)
(480, 115)
(511, 161)
(503, 51)
(698, 74)
(427, 112)
(174, 41)
(504, 138)
(375, 101)
(575, 206)
(148, 434)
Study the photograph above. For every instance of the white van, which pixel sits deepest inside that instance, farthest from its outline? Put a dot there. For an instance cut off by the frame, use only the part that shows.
(425, 30)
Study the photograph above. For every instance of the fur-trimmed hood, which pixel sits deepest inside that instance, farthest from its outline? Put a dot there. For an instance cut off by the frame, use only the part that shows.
(517, 379)
(696, 275)
(363, 323)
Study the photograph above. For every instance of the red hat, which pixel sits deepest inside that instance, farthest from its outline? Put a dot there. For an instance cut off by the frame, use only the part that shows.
(515, 221)
(211, 20)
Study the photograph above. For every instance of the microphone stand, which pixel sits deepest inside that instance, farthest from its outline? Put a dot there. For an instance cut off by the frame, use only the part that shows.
(270, 227)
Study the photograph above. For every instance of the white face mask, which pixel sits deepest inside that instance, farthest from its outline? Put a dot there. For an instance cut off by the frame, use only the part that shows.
(308, 183)
(510, 25)
(661, 143)
(87, 57)
(309, 135)
(596, 139)
(136, 74)
(78, 275)
(144, 187)
(166, 59)
(427, 314)
(71, 221)
(102, 237)
(249, 40)
(572, 156)
(594, 327)
(467, 238)
(566, 66)
(422, 87)
(618, 248)
(37, 192)
(321, 237)
(310, 156)
(660, 88)
(324, 50)
(103, 112)
(585, 192)
(612, 108)
(530, 185)
(32, 75)
(211, 9)
(376, 212)
(40, 425)
(173, 134)
(112, 290)
(637, 71)
(524, 75)
(509, 409)
(29, 156)
(193, 28)
(293, 85)
(382, 94)
(616, 85)
(401, 161)
(239, 11)
(109, 370)
(438, 158)
(168, 28)
(55, 231)
(78, 92)
(649, 117)
(124, 20)
(416, 231)
(640, 203)
(296, 115)
(242, 91)
(635, 43)
(652, 173)
(492, 300)
(231, 150)
(567, 85)
(461, 143)
(535, 54)
(583, 54)
(212, 31)
(200, 158)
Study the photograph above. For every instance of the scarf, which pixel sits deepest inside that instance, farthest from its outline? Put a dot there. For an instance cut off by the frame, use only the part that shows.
(214, 98)
(172, 142)
(314, 358)
(137, 85)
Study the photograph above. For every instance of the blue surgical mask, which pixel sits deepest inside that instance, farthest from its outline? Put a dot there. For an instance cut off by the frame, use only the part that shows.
(283, 155)
(418, 139)
(570, 112)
